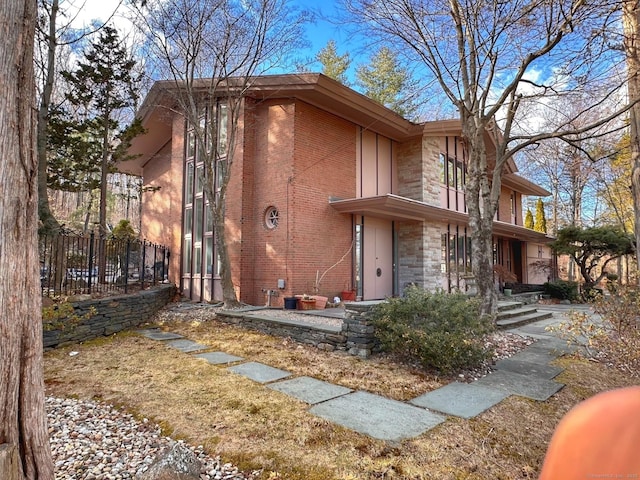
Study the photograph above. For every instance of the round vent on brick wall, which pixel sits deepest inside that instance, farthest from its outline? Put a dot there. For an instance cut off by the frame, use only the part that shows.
(271, 217)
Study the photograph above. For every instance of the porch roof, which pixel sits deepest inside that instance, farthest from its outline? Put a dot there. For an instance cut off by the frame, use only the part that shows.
(395, 207)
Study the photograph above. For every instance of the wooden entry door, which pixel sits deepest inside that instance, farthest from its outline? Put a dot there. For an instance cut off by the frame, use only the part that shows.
(377, 250)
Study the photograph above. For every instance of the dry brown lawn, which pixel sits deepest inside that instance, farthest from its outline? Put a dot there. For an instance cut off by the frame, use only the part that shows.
(255, 427)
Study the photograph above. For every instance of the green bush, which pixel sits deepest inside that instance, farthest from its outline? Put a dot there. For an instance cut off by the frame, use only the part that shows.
(562, 289)
(442, 331)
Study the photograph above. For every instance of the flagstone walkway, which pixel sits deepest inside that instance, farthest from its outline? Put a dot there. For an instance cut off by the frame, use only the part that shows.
(527, 374)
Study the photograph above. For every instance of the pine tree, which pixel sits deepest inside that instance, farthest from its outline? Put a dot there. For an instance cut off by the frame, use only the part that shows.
(387, 82)
(334, 65)
(541, 220)
(528, 220)
(101, 87)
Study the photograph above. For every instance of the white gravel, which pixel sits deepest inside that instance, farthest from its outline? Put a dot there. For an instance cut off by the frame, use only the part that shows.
(95, 441)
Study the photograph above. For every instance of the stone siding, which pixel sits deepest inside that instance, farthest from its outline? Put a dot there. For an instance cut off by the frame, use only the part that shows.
(419, 253)
(356, 336)
(113, 315)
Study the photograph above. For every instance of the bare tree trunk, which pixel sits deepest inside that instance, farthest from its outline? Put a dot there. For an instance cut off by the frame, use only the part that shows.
(48, 223)
(481, 212)
(631, 22)
(22, 415)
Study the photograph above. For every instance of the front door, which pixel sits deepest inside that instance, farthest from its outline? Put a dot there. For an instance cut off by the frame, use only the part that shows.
(377, 255)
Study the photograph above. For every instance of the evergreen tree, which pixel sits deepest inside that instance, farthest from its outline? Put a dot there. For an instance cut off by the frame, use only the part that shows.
(334, 65)
(528, 220)
(387, 82)
(541, 221)
(101, 88)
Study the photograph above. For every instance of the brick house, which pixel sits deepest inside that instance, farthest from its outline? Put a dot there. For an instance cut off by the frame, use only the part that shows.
(330, 192)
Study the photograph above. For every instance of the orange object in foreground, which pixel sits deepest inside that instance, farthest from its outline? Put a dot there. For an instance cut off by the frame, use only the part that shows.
(598, 438)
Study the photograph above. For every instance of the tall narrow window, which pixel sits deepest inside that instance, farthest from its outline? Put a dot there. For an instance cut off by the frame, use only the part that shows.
(223, 126)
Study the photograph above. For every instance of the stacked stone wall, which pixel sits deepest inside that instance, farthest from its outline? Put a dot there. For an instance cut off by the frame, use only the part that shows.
(355, 336)
(109, 315)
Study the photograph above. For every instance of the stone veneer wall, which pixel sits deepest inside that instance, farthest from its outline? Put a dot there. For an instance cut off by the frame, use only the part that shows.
(356, 336)
(113, 314)
(420, 255)
(419, 243)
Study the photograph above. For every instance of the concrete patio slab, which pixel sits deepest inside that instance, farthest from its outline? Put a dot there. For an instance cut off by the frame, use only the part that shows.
(538, 356)
(528, 368)
(187, 346)
(219, 358)
(259, 372)
(464, 400)
(310, 390)
(155, 334)
(524, 385)
(377, 416)
(555, 346)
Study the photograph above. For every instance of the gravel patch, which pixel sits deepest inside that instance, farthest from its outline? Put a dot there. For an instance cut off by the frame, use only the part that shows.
(94, 441)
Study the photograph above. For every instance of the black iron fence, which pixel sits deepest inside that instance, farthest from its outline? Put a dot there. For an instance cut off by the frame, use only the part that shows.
(72, 264)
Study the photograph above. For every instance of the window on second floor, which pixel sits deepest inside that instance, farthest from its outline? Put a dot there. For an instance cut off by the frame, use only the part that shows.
(452, 172)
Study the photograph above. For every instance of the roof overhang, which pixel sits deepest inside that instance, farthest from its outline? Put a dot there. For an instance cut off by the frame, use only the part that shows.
(524, 186)
(159, 109)
(453, 127)
(394, 207)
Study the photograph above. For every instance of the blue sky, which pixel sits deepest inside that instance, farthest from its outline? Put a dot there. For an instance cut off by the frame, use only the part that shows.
(318, 33)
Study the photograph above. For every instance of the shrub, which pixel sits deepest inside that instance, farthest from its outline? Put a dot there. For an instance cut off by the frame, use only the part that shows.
(442, 331)
(614, 338)
(562, 289)
(62, 315)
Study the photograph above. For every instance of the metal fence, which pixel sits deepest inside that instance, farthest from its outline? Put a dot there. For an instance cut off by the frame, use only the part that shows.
(72, 264)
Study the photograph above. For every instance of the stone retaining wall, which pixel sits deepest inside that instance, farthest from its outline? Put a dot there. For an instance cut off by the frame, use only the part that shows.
(356, 336)
(113, 314)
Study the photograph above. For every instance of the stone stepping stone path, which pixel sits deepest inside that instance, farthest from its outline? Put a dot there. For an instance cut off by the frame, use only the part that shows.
(186, 346)
(377, 416)
(464, 400)
(310, 390)
(527, 374)
(157, 334)
(219, 358)
(259, 372)
(523, 385)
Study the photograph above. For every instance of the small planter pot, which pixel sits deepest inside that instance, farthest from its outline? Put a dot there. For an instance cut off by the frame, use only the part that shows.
(348, 295)
(290, 303)
(306, 304)
(507, 292)
(321, 301)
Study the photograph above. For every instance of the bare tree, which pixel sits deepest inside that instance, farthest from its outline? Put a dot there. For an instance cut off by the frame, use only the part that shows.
(631, 23)
(490, 58)
(210, 51)
(23, 425)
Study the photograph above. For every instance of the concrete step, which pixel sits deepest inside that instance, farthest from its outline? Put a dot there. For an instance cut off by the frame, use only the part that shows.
(503, 306)
(521, 320)
(516, 312)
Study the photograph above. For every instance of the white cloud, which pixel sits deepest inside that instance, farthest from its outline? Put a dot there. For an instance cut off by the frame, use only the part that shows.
(84, 13)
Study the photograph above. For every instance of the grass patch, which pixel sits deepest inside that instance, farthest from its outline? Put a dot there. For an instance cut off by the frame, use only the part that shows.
(255, 427)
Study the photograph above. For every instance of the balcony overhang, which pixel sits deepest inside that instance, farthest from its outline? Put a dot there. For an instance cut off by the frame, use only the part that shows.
(394, 207)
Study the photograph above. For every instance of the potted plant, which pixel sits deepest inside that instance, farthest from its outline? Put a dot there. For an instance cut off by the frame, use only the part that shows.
(504, 275)
(348, 294)
(306, 302)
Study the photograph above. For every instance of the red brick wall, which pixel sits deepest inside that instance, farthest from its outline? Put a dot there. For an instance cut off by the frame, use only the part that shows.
(325, 152)
(162, 208)
(296, 157)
